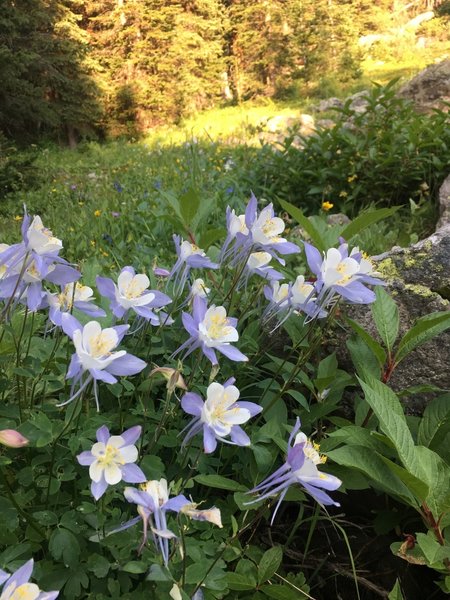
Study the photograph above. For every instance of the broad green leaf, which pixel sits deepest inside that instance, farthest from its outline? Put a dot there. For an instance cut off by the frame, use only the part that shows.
(64, 545)
(424, 330)
(396, 592)
(389, 412)
(283, 592)
(371, 464)
(210, 236)
(269, 563)
(435, 423)
(416, 486)
(431, 468)
(352, 435)
(305, 223)
(239, 582)
(363, 358)
(376, 348)
(99, 565)
(220, 483)
(432, 550)
(135, 566)
(189, 204)
(385, 315)
(367, 219)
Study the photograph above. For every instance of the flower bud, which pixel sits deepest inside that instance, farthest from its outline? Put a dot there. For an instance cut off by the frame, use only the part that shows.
(12, 438)
(174, 377)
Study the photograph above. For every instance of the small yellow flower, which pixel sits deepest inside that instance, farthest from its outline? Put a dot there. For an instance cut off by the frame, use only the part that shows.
(97, 213)
(326, 206)
(352, 178)
(104, 253)
(80, 203)
(54, 190)
(93, 243)
(18, 218)
(343, 194)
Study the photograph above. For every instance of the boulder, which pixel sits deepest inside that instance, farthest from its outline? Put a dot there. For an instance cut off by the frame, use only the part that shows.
(430, 88)
(418, 278)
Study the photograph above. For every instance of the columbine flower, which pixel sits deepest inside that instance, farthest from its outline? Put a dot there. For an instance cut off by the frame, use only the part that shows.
(111, 460)
(258, 264)
(73, 295)
(153, 502)
(219, 416)
(199, 288)
(210, 330)
(341, 274)
(17, 586)
(300, 467)
(30, 262)
(94, 358)
(278, 296)
(132, 293)
(303, 298)
(189, 255)
(13, 439)
(172, 376)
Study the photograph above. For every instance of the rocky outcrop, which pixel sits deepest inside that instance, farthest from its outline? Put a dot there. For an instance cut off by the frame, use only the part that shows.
(430, 88)
(418, 278)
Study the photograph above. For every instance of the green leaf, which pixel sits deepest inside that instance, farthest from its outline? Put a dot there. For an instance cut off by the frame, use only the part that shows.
(365, 220)
(269, 563)
(376, 348)
(210, 236)
(99, 565)
(135, 566)
(10, 518)
(436, 472)
(158, 573)
(435, 423)
(371, 464)
(220, 483)
(305, 223)
(64, 545)
(189, 204)
(396, 592)
(424, 330)
(239, 582)
(385, 315)
(432, 550)
(363, 358)
(415, 485)
(283, 592)
(389, 412)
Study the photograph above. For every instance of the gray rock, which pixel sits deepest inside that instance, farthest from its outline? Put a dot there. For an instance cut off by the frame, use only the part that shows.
(430, 88)
(418, 278)
(329, 104)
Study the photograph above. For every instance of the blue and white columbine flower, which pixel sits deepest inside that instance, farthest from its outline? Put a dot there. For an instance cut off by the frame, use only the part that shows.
(72, 295)
(17, 586)
(94, 358)
(189, 256)
(210, 329)
(131, 293)
(219, 416)
(152, 503)
(300, 467)
(341, 274)
(111, 459)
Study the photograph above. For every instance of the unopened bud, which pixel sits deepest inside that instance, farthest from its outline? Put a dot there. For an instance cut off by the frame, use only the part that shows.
(12, 438)
(173, 377)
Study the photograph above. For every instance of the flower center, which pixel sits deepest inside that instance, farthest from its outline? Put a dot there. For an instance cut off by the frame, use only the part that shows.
(100, 345)
(269, 228)
(110, 456)
(134, 290)
(218, 327)
(26, 591)
(311, 451)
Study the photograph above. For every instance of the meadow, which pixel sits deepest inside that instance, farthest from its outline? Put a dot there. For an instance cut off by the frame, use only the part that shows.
(165, 324)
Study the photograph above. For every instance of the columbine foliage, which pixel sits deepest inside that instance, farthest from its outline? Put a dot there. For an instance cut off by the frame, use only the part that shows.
(207, 464)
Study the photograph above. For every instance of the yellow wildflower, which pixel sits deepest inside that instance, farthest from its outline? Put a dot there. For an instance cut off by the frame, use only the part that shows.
(97, 213)
(326, 206)
(352, 178)
(18, 218)
(93, 243)
(343, 194)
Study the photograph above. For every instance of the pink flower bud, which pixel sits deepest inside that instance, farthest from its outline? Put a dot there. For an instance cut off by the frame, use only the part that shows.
(12, 438)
